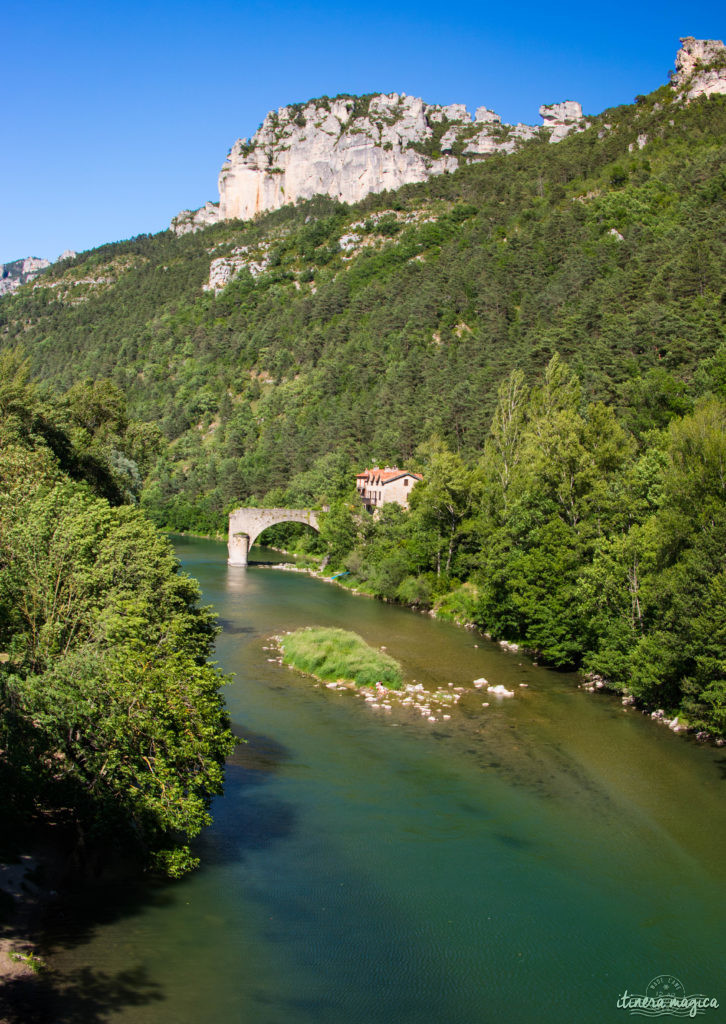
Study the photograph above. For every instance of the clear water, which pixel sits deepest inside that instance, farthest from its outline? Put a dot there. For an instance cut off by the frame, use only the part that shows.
(525, 862)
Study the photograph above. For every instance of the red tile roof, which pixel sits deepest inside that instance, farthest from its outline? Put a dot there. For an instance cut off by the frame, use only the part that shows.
(384, 476)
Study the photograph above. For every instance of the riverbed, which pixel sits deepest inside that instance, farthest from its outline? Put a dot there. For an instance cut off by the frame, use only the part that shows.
(528, 861)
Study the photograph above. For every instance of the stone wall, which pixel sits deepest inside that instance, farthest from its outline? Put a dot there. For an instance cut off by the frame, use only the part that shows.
(398, 490)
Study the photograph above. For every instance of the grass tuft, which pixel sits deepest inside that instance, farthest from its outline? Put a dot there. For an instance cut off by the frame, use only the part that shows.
(333, 654)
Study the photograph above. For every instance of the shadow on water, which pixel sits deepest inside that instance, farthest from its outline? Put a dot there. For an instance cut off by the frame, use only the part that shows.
(250, 818)
(231, 628)
(271, 562)
(256, 752)
(85, 996)
(259, 822)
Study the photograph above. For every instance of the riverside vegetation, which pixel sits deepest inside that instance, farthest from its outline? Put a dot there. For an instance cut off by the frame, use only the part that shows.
(337, 654)
(112, 727)
(541, 334)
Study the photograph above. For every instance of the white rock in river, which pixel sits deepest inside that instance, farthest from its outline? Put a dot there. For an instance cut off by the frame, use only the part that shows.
(500, 691)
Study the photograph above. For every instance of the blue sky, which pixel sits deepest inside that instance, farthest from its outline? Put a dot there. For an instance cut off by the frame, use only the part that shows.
(117, 115)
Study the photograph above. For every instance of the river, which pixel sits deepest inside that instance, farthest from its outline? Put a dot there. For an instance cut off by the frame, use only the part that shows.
(526, 862)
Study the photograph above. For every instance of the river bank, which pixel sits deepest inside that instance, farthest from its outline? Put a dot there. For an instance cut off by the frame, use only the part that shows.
(453, 607)
(27, 894)
(20, 899)
(45, 893)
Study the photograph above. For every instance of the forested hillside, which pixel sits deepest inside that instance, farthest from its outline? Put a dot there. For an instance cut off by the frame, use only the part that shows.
(366, 330)
(541, 334)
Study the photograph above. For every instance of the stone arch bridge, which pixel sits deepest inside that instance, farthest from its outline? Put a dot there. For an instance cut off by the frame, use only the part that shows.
(246, 524)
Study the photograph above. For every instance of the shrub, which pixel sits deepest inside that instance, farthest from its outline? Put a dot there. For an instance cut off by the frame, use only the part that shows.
(415, 590)
(458, 605)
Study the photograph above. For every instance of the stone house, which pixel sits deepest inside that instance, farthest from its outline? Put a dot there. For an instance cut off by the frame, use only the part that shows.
(378, 487)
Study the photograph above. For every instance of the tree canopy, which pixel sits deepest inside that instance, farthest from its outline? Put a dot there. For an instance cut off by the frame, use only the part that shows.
(111, 720)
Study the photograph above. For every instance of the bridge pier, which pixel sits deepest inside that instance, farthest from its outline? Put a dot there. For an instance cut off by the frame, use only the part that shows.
(246, 524)
(238, 546)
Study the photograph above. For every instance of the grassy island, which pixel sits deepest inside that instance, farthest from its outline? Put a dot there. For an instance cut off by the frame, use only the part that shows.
(336, 654)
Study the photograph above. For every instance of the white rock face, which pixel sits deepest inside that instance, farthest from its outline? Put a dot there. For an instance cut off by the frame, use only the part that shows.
(221, 272)
(20, 272)
(457, 112)
(297, 154)
(484, 115)
(561, 118)
(347, 148)
(193, 220)
(568, 112)
(223, 269)
(700, 68)
(32, 266)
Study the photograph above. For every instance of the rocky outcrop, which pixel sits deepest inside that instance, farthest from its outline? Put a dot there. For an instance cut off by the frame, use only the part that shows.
(225, 268)
(20, 272)
(327, 150)
(193, 220)
(351, 146)
(700, 68)
(560, 118)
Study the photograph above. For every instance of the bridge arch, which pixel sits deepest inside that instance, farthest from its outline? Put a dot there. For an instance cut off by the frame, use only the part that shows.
(246, 524)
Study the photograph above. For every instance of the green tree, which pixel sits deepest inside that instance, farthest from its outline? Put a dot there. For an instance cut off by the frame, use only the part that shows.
(441, 503)
(110, 716)
(339, 531)
(504, 449)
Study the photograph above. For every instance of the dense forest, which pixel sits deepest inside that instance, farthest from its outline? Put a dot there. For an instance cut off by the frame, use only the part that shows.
(112, 727)
(541, 334)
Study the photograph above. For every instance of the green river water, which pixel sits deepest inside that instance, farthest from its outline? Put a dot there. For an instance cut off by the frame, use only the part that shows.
(525, 862)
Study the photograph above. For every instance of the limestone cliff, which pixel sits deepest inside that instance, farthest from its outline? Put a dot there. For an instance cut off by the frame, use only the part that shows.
(700, 68)
(19, 272)
(350, 146)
